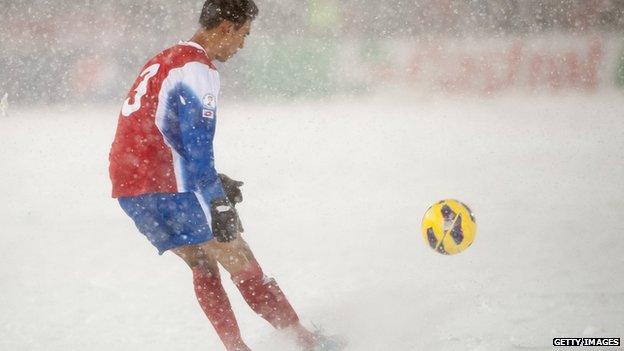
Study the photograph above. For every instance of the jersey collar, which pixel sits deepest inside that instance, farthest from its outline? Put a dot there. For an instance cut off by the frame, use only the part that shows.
(193, 44)
(197, 46)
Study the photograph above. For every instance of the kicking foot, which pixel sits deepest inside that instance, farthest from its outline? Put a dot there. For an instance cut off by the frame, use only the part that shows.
(317, 341)
(328, 343)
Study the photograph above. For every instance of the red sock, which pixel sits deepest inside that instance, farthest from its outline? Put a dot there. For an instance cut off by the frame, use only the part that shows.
(265, 297)
(215, 303)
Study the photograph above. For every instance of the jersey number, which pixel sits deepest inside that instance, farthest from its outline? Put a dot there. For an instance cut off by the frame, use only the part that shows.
(129, 108)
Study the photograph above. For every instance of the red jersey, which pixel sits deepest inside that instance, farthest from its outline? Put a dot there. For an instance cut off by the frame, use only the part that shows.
(166, 127)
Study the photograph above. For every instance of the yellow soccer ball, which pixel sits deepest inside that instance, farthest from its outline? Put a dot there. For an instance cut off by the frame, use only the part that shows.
(449, 227)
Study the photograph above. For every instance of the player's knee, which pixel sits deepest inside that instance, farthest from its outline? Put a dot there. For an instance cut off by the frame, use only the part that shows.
(240, 255)
(203, 260)
(239, 247)
(192, 262)
(195, 256)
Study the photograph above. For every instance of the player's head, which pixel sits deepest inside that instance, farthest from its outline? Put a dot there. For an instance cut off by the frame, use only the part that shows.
(231, 20)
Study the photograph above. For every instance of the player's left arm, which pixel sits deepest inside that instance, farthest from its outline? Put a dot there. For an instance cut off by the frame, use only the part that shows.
(197, 127)
(188, 128)
(194, 101)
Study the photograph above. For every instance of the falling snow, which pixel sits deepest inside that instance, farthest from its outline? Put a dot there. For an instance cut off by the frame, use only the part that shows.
(346, 119)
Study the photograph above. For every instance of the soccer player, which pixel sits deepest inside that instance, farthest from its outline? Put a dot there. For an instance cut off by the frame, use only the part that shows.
(163, 175)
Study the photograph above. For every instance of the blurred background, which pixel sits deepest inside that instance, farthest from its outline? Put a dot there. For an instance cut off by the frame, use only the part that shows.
(90, 51)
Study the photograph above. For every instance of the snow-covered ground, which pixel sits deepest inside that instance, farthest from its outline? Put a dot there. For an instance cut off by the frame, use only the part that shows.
(334, 193)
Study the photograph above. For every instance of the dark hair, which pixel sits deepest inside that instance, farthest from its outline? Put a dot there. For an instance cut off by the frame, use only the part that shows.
(235, 11)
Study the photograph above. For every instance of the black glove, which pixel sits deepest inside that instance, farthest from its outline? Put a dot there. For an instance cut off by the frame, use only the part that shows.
(225, 221)
(232, 189)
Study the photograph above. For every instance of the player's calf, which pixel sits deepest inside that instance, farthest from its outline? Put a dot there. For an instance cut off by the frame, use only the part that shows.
(211, 296)
(215, 303)
(261, 292)
(264, 296)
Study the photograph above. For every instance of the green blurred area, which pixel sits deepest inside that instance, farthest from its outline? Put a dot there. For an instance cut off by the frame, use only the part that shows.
(299, 66)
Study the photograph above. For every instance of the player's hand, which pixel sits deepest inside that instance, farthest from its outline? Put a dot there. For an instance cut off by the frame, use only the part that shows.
(225, 222)
(232, 189)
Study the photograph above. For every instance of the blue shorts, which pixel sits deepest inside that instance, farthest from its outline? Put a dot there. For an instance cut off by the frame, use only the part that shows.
(168, 220)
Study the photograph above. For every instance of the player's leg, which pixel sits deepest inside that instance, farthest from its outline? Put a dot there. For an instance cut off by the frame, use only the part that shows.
(211, 296)
(176, 222)
(185, 224)
(260, 292)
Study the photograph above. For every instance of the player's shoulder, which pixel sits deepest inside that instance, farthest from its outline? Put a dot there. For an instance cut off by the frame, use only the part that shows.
(181, 55)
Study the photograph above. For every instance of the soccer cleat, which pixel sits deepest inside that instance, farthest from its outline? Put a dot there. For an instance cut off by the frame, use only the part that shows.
(327, 343)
